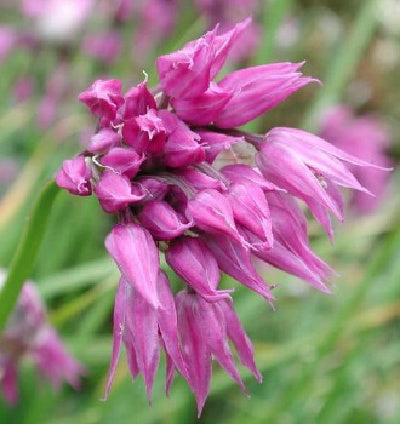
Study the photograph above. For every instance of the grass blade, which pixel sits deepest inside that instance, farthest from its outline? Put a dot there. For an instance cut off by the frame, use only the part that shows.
(27, 250)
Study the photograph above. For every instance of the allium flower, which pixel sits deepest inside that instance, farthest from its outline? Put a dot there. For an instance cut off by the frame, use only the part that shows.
(154, 162)
(368, 138)
(28, 335)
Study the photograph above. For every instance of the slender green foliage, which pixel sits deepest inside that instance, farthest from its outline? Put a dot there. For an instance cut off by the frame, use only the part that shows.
(24, 258)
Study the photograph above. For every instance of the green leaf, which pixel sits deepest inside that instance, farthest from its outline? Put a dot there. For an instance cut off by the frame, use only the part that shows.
(81, 276)
(24, 258)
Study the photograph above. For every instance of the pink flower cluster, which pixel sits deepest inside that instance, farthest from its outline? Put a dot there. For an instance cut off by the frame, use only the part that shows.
(29, 335)
(153, 163)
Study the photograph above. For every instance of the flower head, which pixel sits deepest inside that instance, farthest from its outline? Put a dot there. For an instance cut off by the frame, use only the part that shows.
(154, 162)
(28, 334)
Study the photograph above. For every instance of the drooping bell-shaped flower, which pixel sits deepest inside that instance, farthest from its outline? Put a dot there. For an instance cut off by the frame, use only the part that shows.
(144, 329)
(104, 140)
(251, 210)
(235, 260)
(163, 222)
(103, 98)
(191, 259)
(75, 176)
(182, 147)
(134, 251)
(115, 192)
(205, 329)
(123, 160)
(212, 212)
(138, 101)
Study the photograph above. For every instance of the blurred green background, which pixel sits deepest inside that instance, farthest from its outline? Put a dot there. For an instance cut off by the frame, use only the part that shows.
(325, 359)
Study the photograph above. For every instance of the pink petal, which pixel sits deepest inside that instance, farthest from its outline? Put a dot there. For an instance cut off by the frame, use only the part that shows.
(250, 209)
(104, 140)
(235, 260)
(123, 160)
(118, 332)
(190, 258)
(136, 255)
(194, 348)
(115, 192)
(163, 222)
(242, 343)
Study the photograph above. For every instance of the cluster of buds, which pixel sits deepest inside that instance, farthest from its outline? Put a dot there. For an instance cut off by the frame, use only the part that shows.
(154, 164)
(28, 335)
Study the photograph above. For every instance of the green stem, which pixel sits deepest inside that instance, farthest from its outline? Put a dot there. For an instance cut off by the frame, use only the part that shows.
(24, 258)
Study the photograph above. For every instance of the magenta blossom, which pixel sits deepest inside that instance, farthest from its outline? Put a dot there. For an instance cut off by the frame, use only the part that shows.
(366, 137)
(153, 162)
(28, 335)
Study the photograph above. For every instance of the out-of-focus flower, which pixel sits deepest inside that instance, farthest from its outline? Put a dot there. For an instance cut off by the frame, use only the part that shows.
(103, 46)
(58, 20)
(23, 89)
(156, 20)
(154, 163)
(56, 87)
(368, 138)
(28, 335)
(8, 39)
